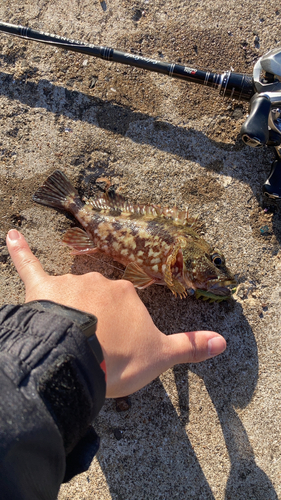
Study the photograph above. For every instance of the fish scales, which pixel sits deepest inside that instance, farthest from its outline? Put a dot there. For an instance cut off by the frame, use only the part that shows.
(129, 240)
(157, 245)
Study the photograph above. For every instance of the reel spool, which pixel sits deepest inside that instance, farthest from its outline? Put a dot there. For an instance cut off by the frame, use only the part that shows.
(263, 125)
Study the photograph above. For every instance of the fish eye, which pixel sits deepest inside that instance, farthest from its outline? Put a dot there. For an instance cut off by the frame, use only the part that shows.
(216, 259)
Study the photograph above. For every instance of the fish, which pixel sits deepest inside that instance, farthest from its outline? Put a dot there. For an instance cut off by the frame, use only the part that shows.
(156, 245)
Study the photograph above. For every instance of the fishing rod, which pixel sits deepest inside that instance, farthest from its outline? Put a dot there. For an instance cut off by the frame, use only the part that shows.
(233, 85)
(262, 90)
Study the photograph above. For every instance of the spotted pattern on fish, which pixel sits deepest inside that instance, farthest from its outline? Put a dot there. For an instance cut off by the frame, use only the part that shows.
(157, 245)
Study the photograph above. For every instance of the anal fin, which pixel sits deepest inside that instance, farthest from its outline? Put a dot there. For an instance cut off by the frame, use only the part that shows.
(78, 239)
(137, 276)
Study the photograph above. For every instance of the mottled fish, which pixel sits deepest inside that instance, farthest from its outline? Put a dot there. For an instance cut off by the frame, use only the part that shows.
(157, 245)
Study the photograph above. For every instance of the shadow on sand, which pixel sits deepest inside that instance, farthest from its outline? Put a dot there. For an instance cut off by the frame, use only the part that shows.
(146, 452)
(189, 144)
(155, 457)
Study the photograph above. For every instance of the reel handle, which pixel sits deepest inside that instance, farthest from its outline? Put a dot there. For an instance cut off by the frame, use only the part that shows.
(255, 131)
(272, 186)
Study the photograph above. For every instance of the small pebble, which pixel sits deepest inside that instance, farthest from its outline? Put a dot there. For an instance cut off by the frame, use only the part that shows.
(117, 434)
(103, 5)
(264, 229)
(123, 404)
(93, 82)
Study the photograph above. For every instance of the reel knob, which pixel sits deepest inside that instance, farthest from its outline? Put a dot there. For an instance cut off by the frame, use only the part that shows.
(255, 131)
(272, 186)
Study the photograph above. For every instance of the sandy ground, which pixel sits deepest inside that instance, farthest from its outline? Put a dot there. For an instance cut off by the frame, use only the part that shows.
(208, 431)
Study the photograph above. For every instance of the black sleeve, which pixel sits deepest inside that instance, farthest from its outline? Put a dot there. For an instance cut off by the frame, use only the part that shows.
(52, 385)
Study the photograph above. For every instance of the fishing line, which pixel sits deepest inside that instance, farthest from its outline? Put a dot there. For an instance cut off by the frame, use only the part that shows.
(104, 262)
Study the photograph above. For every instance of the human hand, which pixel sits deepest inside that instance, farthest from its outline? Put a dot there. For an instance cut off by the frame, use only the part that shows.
(135, 351)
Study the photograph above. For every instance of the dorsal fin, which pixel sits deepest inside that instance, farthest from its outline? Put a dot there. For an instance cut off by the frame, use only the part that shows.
(116, 203)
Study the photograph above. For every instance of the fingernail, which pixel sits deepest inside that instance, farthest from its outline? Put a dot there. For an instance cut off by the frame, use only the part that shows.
(13, 234)
(216, 345)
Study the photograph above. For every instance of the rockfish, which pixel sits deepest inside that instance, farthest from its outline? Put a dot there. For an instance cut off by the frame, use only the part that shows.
(157, 245)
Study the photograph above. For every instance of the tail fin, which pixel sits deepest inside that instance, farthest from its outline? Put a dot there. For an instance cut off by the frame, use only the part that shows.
(57, 191)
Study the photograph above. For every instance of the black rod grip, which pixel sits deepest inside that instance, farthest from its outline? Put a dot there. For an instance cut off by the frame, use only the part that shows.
(255, 131)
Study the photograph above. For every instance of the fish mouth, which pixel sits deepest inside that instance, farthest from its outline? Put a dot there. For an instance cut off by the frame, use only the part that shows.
(218, 291)
(206, 295)
(222, 288)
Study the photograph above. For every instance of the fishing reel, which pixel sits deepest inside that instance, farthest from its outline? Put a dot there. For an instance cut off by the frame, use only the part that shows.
(263, 125)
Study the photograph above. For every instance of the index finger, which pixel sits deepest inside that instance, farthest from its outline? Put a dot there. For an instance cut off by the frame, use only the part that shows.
(26, 264)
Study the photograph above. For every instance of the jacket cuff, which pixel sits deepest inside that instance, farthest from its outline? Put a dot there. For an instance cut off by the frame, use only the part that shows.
(57, 361)
(85, 321)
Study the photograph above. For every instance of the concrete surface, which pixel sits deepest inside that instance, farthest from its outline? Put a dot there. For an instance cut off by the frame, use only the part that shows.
(208, 431)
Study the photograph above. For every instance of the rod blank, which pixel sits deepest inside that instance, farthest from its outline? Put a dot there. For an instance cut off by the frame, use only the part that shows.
(233, 85)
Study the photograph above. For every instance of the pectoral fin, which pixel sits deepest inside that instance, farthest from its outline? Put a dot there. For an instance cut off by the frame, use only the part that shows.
(137, 276)
(178, 288)
(78, 239)
(174, 269)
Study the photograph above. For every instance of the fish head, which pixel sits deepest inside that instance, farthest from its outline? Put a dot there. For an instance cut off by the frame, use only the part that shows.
(204, 269)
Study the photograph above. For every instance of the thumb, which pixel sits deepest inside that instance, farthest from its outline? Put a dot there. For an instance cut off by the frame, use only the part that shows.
(192, 347)
(27, 265)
